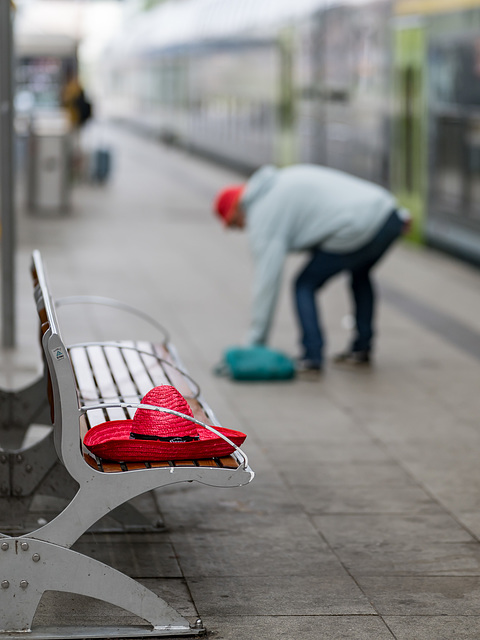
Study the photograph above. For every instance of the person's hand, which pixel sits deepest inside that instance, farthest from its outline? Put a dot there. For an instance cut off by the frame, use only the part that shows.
(254, 343)
(406, 217)
(407, 226)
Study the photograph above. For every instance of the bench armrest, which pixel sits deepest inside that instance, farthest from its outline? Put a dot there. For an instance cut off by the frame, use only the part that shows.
(130, 405)
(116, 304)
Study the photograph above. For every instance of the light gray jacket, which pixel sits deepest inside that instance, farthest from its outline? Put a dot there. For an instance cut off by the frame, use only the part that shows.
(298, 208)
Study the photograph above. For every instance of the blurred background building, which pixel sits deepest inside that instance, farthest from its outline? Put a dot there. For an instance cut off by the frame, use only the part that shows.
(51, 36)
(388, 90)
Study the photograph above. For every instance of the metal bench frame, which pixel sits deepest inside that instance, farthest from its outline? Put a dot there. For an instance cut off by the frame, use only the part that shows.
(42, 560)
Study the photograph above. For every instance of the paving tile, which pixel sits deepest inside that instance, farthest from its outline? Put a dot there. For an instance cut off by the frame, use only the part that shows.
(470, 521)
(345, 474)
(364, 627)
(279, 596)
(449, 474)
(140, 559)
(434, 627)
(433, 596)
(299, 452)
(305, 428)
(263, 501)
(294, 413)
(379, 530)
(422, 559)
(276, 549)
(418, 426)
(401, 545)
(372, 498)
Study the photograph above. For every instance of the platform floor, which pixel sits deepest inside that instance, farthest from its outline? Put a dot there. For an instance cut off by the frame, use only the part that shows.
(363, 521)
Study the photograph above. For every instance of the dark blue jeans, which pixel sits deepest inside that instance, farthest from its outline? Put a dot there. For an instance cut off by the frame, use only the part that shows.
(323, 266)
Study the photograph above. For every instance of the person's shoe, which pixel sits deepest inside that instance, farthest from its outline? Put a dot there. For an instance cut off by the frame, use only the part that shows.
(353, 358)
(306, 368)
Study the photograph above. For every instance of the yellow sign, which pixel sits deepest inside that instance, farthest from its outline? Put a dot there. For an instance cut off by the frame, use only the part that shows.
(416, 7)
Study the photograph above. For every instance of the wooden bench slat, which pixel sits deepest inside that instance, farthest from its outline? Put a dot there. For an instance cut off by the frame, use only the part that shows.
(86, 385)
(111, 467)
(229, 462)
(154, 367)
(134, 466)
(128, 371)
(160, 463)
(91, 461)
(184, 463)
(177, 379)
(138, 371)
(128, 389)
(207, 462)
(104, 381)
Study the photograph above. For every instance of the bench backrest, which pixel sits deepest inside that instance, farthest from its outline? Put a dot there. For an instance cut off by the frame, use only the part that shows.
(63, 395)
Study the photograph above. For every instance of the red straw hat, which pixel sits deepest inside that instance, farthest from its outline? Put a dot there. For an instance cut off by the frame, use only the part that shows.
(226, 202)
(154, 435)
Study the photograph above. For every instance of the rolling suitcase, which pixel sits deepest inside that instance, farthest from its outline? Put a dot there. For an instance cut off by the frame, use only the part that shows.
(101, 164)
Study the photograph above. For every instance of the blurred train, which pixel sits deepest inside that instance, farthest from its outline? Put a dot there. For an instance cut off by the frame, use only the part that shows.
(388, 90)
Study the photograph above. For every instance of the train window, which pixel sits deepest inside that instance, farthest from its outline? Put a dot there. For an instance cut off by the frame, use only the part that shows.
(448, 176)
(473, 150)
(455, 133)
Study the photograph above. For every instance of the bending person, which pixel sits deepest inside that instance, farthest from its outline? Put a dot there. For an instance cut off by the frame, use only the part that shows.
(343, 222)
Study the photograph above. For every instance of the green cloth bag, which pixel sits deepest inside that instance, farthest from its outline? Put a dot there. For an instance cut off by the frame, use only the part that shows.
(255, 363)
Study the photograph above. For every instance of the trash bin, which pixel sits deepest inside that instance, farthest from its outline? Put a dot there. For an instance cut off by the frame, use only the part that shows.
(49, 171)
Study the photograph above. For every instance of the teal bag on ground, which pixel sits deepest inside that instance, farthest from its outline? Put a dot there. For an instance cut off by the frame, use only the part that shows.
(256, 363)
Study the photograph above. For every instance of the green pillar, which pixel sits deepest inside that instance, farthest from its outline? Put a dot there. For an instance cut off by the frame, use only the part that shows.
(409, 148)
(285, 149)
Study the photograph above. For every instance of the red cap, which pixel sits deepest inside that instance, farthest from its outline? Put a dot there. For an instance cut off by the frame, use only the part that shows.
(226, 202)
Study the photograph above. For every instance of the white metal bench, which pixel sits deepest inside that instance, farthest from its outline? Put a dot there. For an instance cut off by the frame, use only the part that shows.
(88, 384)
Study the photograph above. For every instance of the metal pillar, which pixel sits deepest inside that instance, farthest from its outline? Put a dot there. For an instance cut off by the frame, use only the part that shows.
(7, 164)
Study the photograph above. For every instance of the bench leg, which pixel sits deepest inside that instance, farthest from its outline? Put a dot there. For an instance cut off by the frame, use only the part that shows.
(30, 567)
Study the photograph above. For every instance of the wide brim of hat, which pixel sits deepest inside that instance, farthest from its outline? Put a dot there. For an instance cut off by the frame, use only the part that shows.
(111, 441)
(230, 215)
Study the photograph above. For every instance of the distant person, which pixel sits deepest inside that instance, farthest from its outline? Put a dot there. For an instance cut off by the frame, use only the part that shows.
(343, 222)
(74, 100)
